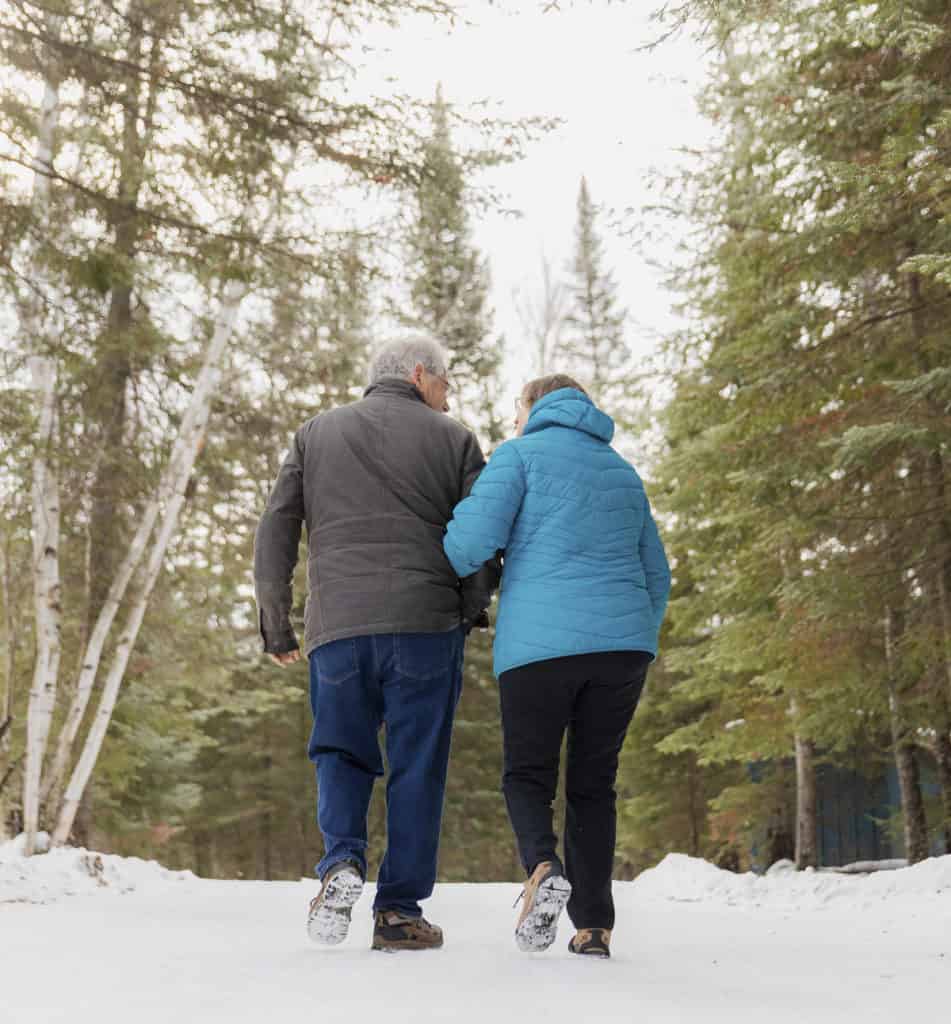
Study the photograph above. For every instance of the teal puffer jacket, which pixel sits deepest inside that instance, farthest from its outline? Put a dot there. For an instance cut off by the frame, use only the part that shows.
(585, 569)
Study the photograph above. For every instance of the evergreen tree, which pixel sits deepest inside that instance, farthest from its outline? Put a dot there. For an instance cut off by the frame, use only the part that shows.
(450, 282)
(128, 255)
(805, 465)
(593, 346)
(450, 295)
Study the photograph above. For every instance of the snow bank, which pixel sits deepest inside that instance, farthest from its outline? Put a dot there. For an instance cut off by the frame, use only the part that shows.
(71, 871)
(678, 878)
(686, 879)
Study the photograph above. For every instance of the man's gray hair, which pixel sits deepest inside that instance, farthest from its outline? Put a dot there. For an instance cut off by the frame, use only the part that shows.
(400, 358)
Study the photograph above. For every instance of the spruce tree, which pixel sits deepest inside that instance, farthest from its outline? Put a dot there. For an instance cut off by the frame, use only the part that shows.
(450, 298)
(449, 285)
(805, 462)
(593, 345)
(142, 252)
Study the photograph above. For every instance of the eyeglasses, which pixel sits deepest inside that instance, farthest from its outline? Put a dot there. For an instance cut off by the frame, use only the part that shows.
(444, 380)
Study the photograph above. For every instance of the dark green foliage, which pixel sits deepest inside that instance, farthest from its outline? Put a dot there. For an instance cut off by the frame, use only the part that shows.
(449, 288)
(804, 479)
(593, 346)
(449, 292)
(180, 164)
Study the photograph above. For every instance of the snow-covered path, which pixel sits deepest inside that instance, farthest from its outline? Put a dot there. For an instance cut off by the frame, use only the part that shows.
(207, 951)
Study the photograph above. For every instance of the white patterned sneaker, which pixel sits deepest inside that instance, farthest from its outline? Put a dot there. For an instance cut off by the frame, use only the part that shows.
(328, 919)
(545, 896)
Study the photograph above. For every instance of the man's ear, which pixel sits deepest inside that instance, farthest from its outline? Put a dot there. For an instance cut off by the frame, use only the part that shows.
(418, 373)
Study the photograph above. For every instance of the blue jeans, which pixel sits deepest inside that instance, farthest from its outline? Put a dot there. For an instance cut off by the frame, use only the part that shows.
(410, 683)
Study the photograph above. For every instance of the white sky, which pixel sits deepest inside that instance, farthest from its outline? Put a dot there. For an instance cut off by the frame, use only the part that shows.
(625, 112)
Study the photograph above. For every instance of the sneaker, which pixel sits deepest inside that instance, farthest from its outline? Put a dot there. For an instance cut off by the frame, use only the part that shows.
(393, 930)
(328, 920)
(592, 942)
(543, 899)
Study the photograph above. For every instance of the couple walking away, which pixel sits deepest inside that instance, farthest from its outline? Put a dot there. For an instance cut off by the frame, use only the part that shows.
(407, 532)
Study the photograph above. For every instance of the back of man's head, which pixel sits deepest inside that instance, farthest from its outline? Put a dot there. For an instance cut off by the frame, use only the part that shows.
(401, 357)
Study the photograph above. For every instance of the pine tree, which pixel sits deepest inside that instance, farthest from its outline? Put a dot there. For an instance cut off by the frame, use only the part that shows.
(450, 281)
(808, 499)
(593, 346)
(129, 255)
(450, 296)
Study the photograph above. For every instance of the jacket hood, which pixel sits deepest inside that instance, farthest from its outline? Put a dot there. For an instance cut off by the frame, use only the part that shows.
(568, 407)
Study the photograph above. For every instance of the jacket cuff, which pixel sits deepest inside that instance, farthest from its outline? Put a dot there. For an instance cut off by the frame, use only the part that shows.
(276, 641)
(279, 643)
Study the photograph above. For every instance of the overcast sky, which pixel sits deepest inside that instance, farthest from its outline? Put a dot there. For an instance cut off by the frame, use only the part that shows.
(624, 113)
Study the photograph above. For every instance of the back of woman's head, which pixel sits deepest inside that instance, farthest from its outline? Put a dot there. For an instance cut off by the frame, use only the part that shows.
(541, 386)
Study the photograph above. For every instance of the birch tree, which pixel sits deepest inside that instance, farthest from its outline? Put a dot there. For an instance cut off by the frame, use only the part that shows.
(170, 499)
(178, 196)
(36, 332)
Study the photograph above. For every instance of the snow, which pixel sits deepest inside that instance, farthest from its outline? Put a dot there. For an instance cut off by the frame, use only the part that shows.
(72, 871)
(692, 942)
(680, 878)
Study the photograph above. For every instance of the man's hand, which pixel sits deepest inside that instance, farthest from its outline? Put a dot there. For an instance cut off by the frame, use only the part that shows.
(285, 659)
(480, 622)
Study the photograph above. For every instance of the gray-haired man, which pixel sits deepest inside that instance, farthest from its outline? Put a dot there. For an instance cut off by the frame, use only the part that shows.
(385, 622)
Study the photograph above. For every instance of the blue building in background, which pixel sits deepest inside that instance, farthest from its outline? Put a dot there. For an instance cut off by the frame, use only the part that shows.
(858, 812)
(860, 815)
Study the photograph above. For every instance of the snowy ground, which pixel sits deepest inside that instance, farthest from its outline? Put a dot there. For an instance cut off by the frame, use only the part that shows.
(134, 944)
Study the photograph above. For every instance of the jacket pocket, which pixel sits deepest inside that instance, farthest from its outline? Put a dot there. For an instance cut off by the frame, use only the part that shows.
(337, 662)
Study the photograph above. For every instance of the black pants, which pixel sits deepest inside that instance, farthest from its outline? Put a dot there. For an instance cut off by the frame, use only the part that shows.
(593, 696)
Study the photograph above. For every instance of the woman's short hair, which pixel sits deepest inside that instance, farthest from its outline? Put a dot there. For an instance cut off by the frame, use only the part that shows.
(541, 386)
(399, 358)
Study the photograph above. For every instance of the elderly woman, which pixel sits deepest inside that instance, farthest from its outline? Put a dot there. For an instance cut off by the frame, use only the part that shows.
(584, 590)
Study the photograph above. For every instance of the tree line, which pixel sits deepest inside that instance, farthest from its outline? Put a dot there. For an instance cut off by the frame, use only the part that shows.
(184, 287)
(185, 291)
(803, 467)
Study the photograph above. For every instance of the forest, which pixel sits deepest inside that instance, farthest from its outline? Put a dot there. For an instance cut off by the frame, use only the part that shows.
(204, 236)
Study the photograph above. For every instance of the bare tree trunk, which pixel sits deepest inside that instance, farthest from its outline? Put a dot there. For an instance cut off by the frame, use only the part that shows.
(943, 757)
(942, 573)
(46, 595)
(8, 774)
(108, 405)
(9, 632)
(105, 540)
(199, 841)
(181, 460)
(693, 807)
(912, 804)
(45, 490)
(267, 822)
(6, 708)
(543, 319)
(938, 598)
(97, 640)
(188, 444)
(807, 833)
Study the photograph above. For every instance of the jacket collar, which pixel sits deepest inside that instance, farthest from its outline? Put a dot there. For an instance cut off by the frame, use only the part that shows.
(394, 386)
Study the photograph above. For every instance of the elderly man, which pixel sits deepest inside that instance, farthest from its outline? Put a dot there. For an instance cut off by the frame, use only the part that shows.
(385, 622)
